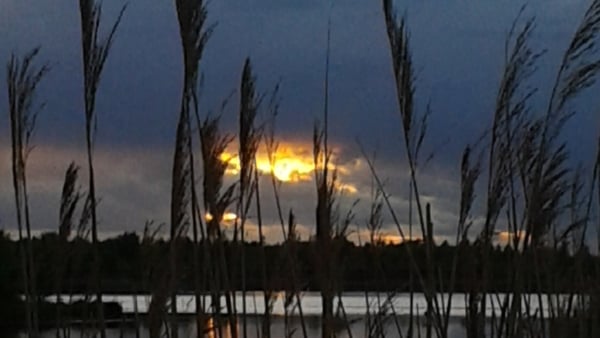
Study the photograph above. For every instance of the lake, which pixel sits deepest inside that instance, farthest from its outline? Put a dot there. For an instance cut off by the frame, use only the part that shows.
(355, 305)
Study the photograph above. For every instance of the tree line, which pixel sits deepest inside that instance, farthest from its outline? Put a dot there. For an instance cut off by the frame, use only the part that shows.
(130, 265)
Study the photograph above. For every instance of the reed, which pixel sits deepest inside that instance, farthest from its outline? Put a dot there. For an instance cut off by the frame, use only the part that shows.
(155, 271)
(23, 78)
(288, 230)
(325, 187)
(249, 139)
(191, 15)
(70, 198)
(521, 166)
(216, 202)
(95, 51)
(414, 131)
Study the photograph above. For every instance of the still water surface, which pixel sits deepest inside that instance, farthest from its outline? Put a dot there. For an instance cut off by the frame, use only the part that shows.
(355, 305)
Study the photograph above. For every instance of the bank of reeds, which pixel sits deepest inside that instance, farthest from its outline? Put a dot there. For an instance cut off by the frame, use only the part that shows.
(531, 190)
(528, 177)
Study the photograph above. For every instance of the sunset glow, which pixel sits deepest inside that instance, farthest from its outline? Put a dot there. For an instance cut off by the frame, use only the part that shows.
(290, 164)
(227, 217)
(507, 237)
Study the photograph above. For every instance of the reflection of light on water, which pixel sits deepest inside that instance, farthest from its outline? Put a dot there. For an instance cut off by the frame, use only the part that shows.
(213, 329)
(355, 305)
(210, 328)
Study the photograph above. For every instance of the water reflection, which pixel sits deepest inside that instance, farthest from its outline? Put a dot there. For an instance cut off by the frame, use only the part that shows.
(222, 328)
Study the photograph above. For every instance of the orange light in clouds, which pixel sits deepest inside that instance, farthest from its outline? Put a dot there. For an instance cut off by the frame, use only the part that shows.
(288, 169)
(227, 217)
(506, 237)
(288, 165)
(349, 188)
(390, 239)
(291, 164)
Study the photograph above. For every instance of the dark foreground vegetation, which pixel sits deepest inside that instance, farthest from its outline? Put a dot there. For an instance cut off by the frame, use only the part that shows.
(520, 168)
(128, 264)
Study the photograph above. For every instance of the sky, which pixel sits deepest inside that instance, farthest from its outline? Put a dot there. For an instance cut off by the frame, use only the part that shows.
(458, 49)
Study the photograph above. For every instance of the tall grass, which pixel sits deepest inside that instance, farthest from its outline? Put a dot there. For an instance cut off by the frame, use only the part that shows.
(191, 15)
(216, 202)
(95, 51)
(526, 167)
(288, 230)
(522, 161)
(413, 131)
(69, 201)
(325, 186)
(249, 139)
(23, 78)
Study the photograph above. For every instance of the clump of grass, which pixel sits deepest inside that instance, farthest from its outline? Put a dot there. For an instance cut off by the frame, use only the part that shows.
(470, 173)
(216, 202)
(23, 78)
(528, 173)
(325, 184)
(324, 216)
(510, 115)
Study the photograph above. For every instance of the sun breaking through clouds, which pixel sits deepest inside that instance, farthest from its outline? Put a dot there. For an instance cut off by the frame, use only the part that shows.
(227, 217)
(290, 163)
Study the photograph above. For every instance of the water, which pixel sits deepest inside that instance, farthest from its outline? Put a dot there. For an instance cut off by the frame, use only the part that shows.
(312, 324)
(355, 305)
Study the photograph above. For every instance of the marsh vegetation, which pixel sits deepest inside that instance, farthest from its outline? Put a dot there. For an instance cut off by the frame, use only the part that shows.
(542, 281)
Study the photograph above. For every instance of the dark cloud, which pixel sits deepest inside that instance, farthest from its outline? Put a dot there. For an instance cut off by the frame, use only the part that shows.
(458, 51)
